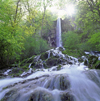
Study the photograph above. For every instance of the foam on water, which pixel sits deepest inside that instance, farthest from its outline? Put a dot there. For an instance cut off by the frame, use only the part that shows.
(82, 87)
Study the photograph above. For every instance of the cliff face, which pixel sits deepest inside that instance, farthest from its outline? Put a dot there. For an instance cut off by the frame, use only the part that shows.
(50, 36)
(66, 25)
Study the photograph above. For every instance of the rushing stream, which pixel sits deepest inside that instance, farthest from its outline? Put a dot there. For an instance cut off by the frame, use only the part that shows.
(71, 83)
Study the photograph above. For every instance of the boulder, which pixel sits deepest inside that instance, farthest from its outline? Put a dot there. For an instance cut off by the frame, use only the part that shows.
(66, 96)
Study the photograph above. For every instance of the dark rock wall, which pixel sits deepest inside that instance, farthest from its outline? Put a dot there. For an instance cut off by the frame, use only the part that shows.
(66, 25)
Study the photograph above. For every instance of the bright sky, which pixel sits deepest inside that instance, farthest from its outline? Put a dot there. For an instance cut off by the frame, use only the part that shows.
(69, 10)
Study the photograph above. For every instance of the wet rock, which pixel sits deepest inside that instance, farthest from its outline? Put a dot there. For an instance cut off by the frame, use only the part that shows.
(97, 66)
(16, 71)
(1, 74)
(38, 64)
(53, 61)
(61, 48)
(60, 82)
(67, 97)
(82, 59)
(59, 67)
(48, 59)
(36, 58)
(26, 61)
(40, 95)
(64, 82)
(44, 56)
(92, 59)
(8, 95)
(93, 62)
(86, 62)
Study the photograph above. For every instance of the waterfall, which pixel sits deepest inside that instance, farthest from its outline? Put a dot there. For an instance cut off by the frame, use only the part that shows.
(70, 83)
(58, 33)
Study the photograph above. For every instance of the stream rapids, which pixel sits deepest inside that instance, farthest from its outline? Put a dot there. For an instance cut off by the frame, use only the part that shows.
(73, 82)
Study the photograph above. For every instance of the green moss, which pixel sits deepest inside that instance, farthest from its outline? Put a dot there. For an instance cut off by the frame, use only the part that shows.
(67, 97)
(96, 65)
(45, 66)
(28, 60)
(86, 62)
(59, 67)
(2, 100)
(93, 62)
(74, 53)
(16, 72)
(64, 52)
(53, 61)
(25, 67)
(41, 95)
(44, 56)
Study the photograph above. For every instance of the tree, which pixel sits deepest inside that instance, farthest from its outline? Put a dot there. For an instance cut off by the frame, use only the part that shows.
(88, 19)
(10, 38)
(88, 16)
(45, 3)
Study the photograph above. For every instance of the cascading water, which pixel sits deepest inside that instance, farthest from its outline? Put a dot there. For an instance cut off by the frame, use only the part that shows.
(71, 83)
(58, 33)
(68, 84)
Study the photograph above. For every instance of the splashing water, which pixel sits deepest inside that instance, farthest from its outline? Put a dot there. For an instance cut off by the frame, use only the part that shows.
(71, 83)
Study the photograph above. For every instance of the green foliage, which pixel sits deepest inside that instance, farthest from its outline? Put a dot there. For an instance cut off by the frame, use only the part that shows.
(85, 46)
(76, 53)
(70, 40)
(95, 40)
(10, 35)
(88, 23)
(33, 46)
(20, 29)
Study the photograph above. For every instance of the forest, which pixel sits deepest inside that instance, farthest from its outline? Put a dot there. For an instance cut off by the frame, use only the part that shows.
(26, 27)
(49, 50)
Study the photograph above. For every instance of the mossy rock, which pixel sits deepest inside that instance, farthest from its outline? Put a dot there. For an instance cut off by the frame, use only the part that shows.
(45, 65)
(64, 82)
(67, 97)
(33, 64)
(41, 96)
(44, 56)
(9, 95)
(96, 65)
(61, 49)
(59, 67)
(25, 61)
(92, 59)
(53, 61)
(64, 52)
(16, 72)
(80, 59)
(25, 66)
(86, 62)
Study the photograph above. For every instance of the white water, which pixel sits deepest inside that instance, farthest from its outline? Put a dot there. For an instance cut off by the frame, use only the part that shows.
(58, 33)
(82, 86)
